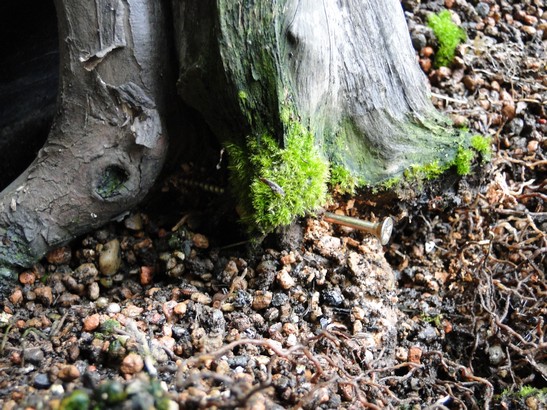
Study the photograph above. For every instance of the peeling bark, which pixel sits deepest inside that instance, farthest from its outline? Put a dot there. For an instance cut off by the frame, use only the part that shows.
(109, 136)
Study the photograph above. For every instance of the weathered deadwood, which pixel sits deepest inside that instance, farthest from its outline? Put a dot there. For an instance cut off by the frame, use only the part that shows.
(347, 68)
(108, 140)
(344, 71)
(336, 79)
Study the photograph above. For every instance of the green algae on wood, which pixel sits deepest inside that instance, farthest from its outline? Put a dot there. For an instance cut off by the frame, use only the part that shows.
(266, 74)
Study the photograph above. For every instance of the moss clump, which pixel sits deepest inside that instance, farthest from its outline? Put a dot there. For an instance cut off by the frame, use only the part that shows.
(427, 171)
(342, 180)
(274, 185)
(463, 160)
(525, 392)
(448, 34)
(391, 183)
(482, 145)
(109, 326)
(77, 400)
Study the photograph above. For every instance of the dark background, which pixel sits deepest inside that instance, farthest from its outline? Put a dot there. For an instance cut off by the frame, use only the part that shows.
(29, 76)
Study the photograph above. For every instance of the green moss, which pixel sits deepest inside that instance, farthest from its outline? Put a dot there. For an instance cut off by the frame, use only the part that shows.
(273, 185)
(448, 34)
(426, 171)
(463, 160)
(110, 392)
(342, 180)
(391, 182)
(109, 326)
(14, 251)
(482, 145)
(523, 393)
(527, 391)
(111, 182)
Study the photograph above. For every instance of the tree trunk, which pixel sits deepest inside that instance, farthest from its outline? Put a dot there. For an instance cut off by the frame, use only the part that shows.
(108, 139)
(295, 89)
(344, 71)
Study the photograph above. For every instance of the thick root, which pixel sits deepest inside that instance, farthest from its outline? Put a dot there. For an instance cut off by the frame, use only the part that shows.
(108, 141)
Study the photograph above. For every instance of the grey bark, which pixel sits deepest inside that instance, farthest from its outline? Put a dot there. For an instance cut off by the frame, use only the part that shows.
(347, 66)
(108, 140)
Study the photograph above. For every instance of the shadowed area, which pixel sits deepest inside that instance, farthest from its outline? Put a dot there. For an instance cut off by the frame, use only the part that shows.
(29, 76)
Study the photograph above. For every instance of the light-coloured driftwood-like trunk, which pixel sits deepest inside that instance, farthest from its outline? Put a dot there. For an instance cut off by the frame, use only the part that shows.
(293, 88)
(344, 70)
(108, 140)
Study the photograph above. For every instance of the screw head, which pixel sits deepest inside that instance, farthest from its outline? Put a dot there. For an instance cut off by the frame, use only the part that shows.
(386, 228)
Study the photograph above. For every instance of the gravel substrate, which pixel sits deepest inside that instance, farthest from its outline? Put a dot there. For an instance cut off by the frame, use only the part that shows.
(159, 311)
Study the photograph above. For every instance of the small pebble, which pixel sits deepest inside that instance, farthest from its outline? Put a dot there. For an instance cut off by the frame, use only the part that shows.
(110, 258)
(68, 300)
(86, 273)
(200, 241)
(27, 278)
(428, 334)
(201, 298)
(459, 120)
(59, 256)
(532, 146)
(279, 299)
(496, 355)
(419, 41)
(415, 354)
(44, 295)
(133, 222)
(16, 296)
(180, 308)
(261, 300)
(68, 373)
(168, 309)
(529, 30)
(482, 9)
(33, 355)
(146, 275)
(41, 381)
(508, 110)
(332, 297)
(102, 302)
(91, 322)
(285, 280)
(113, 308)
(131, 364)
(132, 311)
(94, 291)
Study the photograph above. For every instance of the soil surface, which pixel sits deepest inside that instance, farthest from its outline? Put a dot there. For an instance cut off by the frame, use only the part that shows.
(168, 308)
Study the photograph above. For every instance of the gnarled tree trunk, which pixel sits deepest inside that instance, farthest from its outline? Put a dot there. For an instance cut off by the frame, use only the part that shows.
(293, 88)
(343, 71)
(108, 140)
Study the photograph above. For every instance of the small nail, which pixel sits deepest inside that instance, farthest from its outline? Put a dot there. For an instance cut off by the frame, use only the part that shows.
(382, 229)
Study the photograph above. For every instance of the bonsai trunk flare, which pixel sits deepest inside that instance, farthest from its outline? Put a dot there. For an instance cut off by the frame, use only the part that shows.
(108, 140)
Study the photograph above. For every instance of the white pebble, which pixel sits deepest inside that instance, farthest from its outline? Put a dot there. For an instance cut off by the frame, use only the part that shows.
(113, 308)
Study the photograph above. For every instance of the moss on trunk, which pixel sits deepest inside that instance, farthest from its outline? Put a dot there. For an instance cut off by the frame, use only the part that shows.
(341, 74)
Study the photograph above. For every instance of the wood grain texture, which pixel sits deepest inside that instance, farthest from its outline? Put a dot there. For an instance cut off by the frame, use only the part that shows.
(347, 68)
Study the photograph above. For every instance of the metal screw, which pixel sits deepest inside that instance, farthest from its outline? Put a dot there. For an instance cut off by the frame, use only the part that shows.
(382, 229)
